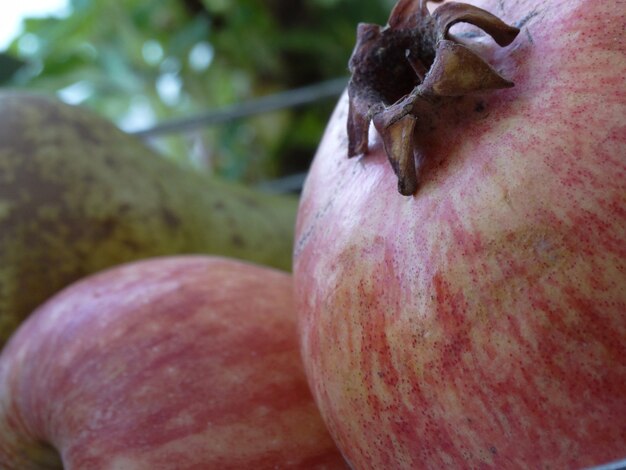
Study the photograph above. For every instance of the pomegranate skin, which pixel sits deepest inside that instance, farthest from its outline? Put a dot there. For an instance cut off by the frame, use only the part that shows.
(481, 322)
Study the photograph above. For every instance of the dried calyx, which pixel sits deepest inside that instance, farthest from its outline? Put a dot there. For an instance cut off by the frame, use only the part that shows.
(399, 72)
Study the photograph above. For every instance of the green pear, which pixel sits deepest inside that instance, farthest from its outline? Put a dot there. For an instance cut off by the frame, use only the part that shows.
(78, 195)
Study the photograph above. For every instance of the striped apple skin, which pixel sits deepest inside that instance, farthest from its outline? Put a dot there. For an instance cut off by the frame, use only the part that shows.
(171, 363)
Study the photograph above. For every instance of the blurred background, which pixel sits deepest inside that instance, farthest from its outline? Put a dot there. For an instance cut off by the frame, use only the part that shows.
(241, 89)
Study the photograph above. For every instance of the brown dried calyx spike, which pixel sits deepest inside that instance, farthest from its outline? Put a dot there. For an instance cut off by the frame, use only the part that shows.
(399, 71)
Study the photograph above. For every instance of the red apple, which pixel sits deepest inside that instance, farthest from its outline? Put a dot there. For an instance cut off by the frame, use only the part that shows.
(481, 322)
(171, 363)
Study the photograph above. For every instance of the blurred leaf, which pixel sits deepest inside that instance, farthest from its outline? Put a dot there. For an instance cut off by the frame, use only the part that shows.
(130, 61)
(9, 65)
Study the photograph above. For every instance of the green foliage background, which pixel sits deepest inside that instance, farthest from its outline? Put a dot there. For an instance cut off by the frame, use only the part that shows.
(111, 56)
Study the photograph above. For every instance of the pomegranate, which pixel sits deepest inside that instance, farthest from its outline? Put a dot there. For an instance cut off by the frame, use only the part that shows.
(477, 319)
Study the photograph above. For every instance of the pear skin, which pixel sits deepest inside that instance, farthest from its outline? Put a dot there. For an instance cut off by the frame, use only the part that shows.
(78, 195)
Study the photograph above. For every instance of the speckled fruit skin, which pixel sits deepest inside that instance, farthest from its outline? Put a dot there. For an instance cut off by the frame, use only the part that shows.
(171, 363)
(77, 195)
(481, 323)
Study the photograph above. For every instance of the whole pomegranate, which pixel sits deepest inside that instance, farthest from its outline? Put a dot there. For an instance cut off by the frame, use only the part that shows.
(476, 318)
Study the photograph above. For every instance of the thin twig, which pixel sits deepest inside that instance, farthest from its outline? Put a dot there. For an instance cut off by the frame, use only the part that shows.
(287, 99)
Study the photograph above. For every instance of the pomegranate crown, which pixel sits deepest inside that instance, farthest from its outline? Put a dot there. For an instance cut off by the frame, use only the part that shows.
(399, 72)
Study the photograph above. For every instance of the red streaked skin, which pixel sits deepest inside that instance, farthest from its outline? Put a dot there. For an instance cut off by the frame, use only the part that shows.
(185, 363)
(481, 323)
